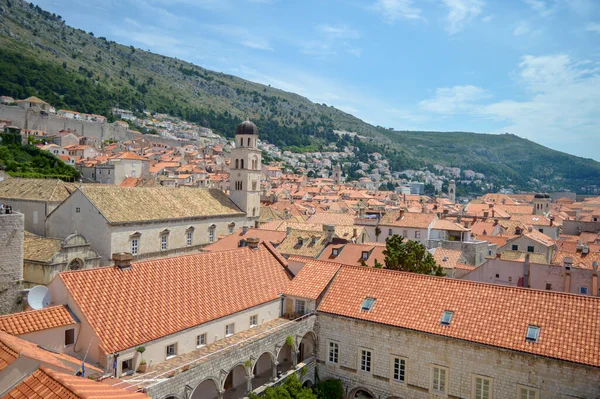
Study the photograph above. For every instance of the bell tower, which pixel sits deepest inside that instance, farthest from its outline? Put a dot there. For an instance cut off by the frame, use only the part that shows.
(452, 191)
(245, 170)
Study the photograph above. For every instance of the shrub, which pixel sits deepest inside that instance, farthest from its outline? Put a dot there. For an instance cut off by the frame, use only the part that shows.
(330, 389)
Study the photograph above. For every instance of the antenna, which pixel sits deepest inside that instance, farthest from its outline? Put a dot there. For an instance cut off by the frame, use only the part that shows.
(39, 297)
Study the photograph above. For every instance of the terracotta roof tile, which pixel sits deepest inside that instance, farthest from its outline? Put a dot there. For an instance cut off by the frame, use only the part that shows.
(40, 249)
(351, 254)
(116, 302)
(232, 241)
(46, 383)
(408, 219)
(312, 279)
(489, 314)
(336, 219)
(36, 320)
(46, 190)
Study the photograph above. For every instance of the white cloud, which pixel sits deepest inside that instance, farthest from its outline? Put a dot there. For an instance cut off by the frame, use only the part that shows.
(241, 36)
(522, 29)
(394, 10)
(257, 44)
(461, 13)
(487, 18)
(593, 27)
(456, 99)
(542, 7)
(340, 31)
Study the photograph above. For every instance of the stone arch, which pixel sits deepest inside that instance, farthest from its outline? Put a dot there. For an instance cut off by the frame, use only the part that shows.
(206, 389)
(76, 264)
(286, 357)
(236, 381)
(263, 369)
(306, 346)
(249, 141)
(307, 384)
(368, 392)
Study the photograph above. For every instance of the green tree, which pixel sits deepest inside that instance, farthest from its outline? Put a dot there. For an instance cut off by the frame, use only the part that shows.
(291, 389)
(410, 256)
(377, 233)
(330, 389)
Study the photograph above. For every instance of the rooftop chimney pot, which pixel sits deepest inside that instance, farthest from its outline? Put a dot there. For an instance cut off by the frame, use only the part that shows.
(122, 260)
(253, 242)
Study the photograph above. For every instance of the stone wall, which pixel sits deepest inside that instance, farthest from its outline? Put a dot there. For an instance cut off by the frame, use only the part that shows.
(11, 261)
(462, 360)
(217, 366)
(573, 227)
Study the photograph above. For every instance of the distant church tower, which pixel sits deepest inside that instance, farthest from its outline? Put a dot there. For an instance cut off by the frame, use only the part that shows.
(452, 191)
(337, 174)
(541, 204)
(245, 170)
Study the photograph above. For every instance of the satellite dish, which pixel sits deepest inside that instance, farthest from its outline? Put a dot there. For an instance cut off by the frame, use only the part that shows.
(39, 297)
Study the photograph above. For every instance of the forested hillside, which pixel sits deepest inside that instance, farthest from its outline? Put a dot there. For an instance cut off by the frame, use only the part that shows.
(41, 55)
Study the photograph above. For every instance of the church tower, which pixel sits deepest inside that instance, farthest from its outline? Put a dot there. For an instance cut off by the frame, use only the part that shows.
(452, 191)
(337, 174)
(245, 170)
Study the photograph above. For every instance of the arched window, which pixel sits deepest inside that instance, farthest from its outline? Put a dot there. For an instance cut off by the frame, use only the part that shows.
(253, 211)
(237, 163)
(242, 164)
(248, 141)
(241, 141)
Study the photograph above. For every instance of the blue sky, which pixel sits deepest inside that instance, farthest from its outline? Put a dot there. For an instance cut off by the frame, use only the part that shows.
(528, 67)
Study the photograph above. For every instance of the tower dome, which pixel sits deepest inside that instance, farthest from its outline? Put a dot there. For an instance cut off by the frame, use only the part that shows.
(246, 127)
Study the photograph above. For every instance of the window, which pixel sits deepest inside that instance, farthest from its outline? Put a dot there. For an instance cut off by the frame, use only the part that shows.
(497, 275)
(189, 238)
(126, 366)
(515, 247)
(541, 230)
(77, 209)
(533, 334)
(248, 141)
(367, 304)
(171, 351)
(482, 387)
(300, 306)
(399, 369)
(438, 380)
(334, 352)
(390, 232)
(583, 290)
(528, 393)
(447, 317)
(548, 286)
(201, 340)
(237, 163)
(163, 242)
(334, 252)
(211, 235)
(253, 321)
(230, 229)
(365, 255)
(69, 336)
(365, 360)
(530, 249)
(417, 234)
(242, 164)
(229, 330)
(134, 246)
(405, 233)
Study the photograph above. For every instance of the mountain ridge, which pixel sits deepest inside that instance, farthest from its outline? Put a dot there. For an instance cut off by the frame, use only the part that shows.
(141, 80)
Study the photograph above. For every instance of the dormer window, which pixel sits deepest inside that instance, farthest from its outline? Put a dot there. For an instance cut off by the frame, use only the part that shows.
(367, 304)
(533, 334)
(447, 317)
(365, 255)
(300, 241)
(314, 240)
(335, 252)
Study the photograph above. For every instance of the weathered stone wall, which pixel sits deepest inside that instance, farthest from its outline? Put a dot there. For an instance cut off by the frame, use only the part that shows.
(463, 360)
(573, 227)
(11, 261)
(217, 366)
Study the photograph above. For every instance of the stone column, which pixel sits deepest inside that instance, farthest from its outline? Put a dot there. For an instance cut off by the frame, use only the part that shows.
(220, 394)
(274, 370)
(248, 383)
(294, 358)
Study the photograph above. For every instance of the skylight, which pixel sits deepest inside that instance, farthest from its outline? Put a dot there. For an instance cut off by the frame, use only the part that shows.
(367, 304)
(447, 317)
(533, 333)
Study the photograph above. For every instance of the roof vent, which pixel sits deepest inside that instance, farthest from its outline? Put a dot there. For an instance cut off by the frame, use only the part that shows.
(595, 265)
(533, 334)
(122, 260)
(447, 317)
(367, 304)
(445, 259)
(253, 242)
(585, 250)
(568, 262)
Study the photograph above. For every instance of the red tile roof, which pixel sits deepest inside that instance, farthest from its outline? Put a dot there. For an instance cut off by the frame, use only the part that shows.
(45, 383)
(14, 347)
(408, 219)
(117, 302)
(36, 320)
(351, 254)
(232, 241)
(484, 313)
(312, 279)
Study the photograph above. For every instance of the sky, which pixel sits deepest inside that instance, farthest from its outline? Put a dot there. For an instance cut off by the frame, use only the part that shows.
(527, 67)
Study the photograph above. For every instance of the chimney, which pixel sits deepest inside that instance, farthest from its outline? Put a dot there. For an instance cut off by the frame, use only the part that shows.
(354, 232)
(256, 224)
(568, 262)
(526, 271)
(400, 214)
(330, 230)
(253, 242)
(288, 231)
(244, 230)
(122, 260)
(530, 229)
(585, 250)
(551, 220)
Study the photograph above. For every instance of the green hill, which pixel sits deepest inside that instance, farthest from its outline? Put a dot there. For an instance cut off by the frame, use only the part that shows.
(41, 55)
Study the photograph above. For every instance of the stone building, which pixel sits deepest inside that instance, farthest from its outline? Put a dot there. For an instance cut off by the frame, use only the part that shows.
(11, 261)
(146, 222)
(35, 199)
(45, 257)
